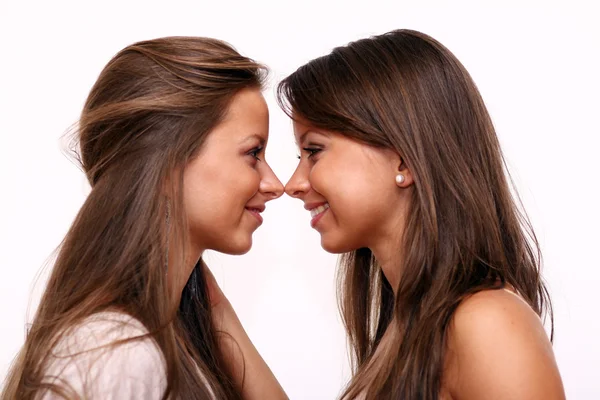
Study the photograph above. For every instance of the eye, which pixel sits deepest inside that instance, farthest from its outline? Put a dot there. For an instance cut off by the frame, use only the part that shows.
(311, 151)
(255, 152)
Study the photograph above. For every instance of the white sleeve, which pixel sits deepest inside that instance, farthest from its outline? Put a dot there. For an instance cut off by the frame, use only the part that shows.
(132, 370)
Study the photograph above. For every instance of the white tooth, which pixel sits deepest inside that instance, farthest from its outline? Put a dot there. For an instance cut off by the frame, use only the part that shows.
(318, 210)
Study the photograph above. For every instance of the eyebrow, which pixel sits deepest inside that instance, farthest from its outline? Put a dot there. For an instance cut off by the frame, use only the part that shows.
(258, 136)
(303, 136)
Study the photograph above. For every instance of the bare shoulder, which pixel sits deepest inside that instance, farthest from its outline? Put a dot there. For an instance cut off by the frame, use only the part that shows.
(498, 349)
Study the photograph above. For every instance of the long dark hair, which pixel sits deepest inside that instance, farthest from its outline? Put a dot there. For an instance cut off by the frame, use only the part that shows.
(147, 115)
(405, 91)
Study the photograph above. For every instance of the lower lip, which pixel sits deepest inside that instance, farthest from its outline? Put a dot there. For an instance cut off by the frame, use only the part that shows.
(317, 218)
(256, 215)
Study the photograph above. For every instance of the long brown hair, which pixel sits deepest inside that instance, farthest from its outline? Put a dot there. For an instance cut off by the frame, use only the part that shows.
(464, 233)
(147, 115)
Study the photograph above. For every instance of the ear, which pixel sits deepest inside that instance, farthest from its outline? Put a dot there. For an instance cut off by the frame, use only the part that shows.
(400, 168)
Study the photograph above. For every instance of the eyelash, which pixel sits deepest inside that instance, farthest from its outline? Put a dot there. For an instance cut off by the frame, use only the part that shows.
(254, 152)
(311, 150)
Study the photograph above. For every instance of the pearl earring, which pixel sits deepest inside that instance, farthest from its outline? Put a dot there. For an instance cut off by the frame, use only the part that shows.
(399, 179)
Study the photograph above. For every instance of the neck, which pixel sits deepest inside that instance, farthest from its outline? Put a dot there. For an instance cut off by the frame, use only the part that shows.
(387, 247)
(388, 256)
(178, 277)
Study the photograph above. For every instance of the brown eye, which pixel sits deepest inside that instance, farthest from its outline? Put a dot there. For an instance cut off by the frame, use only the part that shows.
(255, 152)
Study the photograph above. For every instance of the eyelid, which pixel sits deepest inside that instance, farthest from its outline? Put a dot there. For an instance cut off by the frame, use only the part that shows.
(311, 150)
(255, 151)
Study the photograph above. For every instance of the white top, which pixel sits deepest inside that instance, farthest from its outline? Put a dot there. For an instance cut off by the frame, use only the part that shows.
(132, 370)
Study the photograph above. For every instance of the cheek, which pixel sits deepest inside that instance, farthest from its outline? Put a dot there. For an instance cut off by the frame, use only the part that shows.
(201, 197)
(246, 183)
(215, 197)
(360, 200)
(351, 188)
(229, 193)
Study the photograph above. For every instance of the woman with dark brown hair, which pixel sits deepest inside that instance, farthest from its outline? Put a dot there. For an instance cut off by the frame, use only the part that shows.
(402, 172)
(172, 140)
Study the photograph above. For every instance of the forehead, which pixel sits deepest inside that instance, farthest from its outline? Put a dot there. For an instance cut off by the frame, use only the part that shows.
(248, 105)
(302, 129)
(246, 116)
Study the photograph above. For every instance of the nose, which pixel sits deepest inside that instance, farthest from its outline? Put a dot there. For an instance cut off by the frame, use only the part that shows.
(270, 185)
(298, 185)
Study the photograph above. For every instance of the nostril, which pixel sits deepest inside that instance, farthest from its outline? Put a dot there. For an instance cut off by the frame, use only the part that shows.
(277, 193)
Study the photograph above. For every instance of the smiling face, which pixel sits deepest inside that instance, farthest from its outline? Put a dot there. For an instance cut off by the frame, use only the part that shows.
(349, 188)
(227, 185)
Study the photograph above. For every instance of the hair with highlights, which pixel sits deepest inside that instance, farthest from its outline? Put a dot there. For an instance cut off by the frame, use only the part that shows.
(465, 232)
(146, 117)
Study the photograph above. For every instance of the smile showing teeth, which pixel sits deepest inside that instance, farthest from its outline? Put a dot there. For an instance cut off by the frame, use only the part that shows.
(318, 210)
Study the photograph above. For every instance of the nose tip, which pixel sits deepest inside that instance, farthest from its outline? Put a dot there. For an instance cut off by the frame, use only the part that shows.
(272, 189)
(299, 184)
(278, 190)
(295, 189)
(292, 193)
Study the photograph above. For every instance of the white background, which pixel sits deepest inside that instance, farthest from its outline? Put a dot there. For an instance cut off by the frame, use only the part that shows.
(536, 64)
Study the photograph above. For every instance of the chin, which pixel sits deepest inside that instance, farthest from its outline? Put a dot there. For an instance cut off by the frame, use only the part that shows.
(335, 245)
(237, 246)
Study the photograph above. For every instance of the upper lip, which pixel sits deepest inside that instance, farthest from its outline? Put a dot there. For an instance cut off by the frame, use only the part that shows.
(310, 206)
(260, 207)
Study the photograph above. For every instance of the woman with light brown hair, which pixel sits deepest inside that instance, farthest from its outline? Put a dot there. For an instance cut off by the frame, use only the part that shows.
(400, 167)
(172, 140)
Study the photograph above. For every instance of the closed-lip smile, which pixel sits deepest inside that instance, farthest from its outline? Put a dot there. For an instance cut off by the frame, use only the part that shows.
(256, 210)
